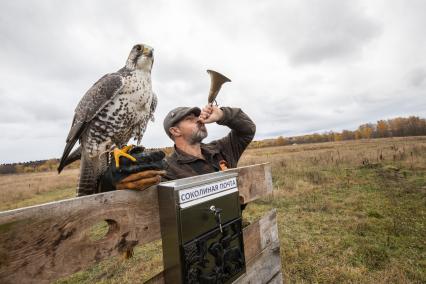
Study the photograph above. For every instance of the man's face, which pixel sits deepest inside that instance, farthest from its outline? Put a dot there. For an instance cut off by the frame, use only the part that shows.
(192, 129)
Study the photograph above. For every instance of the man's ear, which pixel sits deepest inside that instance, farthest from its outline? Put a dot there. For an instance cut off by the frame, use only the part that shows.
(175, 131)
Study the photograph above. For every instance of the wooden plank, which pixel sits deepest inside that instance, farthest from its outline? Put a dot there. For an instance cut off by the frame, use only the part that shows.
(264, 262)
(260, 235)
(254, 181)
(264, 267)
(261, 247)
(42, 243)
(278, 279)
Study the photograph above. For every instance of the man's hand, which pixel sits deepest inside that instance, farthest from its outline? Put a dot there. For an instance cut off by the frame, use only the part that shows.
(146, 171)
(141, 180)
(210, 114)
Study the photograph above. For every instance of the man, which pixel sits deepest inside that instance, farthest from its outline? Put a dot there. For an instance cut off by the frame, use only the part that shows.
(186, 127)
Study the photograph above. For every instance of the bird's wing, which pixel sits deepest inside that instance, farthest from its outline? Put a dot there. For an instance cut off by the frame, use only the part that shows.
(95, 99)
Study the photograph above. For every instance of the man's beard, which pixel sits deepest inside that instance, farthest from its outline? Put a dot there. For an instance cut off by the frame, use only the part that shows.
(198, 135)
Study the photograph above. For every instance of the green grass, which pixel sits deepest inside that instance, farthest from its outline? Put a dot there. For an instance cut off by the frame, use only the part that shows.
(367, 225)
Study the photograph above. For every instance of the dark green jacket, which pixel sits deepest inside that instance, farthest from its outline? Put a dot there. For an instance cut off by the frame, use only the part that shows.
(229, 148)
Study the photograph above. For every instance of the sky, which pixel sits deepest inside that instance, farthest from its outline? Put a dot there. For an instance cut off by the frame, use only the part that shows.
(297, 66)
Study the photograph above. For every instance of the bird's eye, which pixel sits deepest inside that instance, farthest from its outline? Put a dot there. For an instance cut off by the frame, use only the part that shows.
(138, 48)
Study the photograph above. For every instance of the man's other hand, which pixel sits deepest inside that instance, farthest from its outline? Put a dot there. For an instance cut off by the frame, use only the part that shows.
(141, 180)
(210, 114)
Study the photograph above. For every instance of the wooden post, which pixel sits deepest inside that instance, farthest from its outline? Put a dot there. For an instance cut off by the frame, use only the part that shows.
(42, 243)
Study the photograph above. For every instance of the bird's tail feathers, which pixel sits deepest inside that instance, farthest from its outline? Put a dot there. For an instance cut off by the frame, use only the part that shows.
(75, 133)
(74, 156)
(67, 150)
(87, 183)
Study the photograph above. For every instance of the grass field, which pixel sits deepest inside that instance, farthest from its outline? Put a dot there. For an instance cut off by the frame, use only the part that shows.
(20, 190)
(351, 211)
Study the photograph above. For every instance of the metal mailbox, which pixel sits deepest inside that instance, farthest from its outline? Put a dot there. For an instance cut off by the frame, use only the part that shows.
(201, 229)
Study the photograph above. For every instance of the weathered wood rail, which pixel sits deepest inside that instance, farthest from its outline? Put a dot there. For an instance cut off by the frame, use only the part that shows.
(42, 243)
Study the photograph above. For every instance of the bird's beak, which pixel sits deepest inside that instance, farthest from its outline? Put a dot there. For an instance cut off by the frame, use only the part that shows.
(148, 51)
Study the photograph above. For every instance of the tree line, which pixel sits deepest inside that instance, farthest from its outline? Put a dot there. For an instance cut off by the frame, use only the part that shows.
(48, 165)
(33, 166)
(395, 127)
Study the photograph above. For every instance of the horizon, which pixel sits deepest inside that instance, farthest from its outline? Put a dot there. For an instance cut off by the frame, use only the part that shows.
(271, 138)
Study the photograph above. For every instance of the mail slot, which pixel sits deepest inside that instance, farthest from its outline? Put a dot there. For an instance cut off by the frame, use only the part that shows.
(201, 229)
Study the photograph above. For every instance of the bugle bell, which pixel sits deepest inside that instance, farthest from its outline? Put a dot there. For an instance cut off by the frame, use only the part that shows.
(217, 80)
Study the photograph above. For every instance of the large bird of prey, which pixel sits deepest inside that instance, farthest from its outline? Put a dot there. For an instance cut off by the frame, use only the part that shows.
(114, 110)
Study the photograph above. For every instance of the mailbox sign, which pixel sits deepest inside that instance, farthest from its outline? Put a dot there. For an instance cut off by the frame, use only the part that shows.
(205, 190)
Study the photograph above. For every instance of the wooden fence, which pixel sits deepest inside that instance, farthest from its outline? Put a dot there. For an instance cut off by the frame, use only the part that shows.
(42, 243)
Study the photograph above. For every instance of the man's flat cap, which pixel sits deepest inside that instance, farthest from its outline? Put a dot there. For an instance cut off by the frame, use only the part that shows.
(176, 115)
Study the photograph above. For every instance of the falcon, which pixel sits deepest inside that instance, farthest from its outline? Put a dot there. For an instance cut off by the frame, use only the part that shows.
(114, 110)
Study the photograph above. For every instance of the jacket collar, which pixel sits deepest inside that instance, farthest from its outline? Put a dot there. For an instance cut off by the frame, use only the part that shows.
(182, 157)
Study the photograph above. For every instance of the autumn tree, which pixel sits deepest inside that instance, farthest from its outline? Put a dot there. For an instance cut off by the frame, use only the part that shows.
(382, 128)
(366, 130)
(348, 135)
(396, 126)
(337, 136)
(281, 141)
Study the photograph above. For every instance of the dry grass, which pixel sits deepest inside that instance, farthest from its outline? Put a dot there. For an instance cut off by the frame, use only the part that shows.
(146, 262)
(348, 212)
(300, 167)
(20, 190)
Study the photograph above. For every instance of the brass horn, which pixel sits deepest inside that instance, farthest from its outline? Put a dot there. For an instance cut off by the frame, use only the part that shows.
(217, 81)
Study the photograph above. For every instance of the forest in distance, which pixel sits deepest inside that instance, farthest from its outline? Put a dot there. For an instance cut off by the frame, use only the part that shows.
(395, 127)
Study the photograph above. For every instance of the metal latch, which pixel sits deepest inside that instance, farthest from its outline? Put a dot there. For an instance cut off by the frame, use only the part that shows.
(216, 212)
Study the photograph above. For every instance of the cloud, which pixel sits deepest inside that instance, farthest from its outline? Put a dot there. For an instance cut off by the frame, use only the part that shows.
(417, 77)
(296, 66)
(318, 31)
(305, 31)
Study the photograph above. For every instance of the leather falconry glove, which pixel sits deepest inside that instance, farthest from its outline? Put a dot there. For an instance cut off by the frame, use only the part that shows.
(146, 171)
(141, 180)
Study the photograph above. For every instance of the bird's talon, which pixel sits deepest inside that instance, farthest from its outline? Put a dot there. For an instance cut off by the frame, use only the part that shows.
(122, 153)
(127, 148)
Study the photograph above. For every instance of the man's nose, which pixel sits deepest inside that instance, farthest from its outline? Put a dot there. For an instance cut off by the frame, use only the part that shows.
(198, 121)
